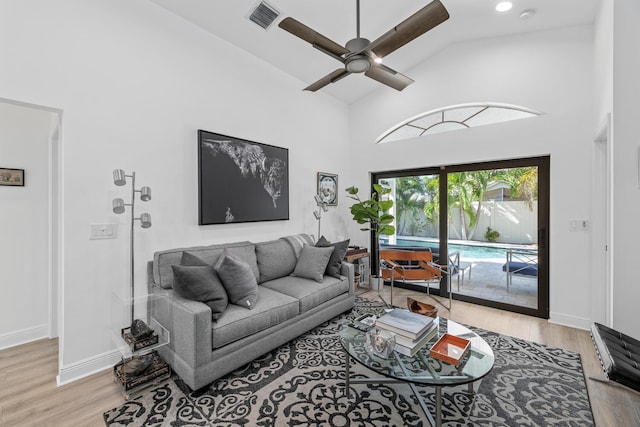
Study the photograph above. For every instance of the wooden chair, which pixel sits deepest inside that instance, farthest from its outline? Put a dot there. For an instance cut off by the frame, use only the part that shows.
(410, 266)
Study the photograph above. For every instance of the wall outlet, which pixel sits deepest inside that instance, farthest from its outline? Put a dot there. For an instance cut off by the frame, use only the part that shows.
(103, 231)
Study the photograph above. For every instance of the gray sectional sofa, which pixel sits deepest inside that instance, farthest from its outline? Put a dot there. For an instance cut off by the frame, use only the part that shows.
(202, 350)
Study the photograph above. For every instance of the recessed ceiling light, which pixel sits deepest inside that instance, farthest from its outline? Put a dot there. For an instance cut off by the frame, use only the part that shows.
(503, 6)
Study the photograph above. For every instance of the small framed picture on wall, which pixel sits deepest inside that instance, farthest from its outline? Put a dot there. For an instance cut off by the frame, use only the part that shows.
(13, 177)
(328, 188)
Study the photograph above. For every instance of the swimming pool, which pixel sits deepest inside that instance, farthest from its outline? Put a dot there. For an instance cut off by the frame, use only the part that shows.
(466, 251)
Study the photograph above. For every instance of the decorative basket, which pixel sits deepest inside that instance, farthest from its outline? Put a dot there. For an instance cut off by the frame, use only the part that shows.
(157, 369)
(416, 306)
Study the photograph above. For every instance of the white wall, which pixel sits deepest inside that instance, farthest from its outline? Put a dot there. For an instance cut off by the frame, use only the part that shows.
(24, 225)
(551, 72)
(135, 84)
(626, 233)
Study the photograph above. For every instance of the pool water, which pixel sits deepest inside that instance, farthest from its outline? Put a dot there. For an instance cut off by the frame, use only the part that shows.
(466, 251)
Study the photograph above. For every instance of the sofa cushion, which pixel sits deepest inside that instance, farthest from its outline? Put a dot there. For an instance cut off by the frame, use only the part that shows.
(297, 241)
(238, 280)
(312, 262)
(163, 260)
(308, 292)
(335, 262)
(271, 308)
(275, 259)
(201, 283)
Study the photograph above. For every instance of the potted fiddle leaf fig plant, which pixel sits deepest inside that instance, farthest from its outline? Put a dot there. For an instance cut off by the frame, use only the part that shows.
(374, 213)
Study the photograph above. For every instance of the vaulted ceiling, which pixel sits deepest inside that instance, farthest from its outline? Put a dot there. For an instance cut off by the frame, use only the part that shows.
(336, 19)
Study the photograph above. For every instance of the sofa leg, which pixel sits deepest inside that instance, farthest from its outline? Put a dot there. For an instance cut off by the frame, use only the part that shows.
(202, 390)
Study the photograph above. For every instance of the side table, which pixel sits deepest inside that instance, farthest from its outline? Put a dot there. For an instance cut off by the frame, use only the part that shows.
(134, 350)
(361, 261)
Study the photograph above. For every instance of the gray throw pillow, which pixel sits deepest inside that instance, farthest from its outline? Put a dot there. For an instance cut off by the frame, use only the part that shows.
(335, 262)
(238, 280)
(312, 262)
(275, 259)
(200, 283)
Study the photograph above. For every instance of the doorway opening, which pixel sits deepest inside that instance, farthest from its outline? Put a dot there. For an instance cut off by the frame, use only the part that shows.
(31, 142)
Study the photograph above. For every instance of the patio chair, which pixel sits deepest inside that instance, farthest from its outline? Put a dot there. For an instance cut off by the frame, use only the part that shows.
(520, 261)
(411, 266)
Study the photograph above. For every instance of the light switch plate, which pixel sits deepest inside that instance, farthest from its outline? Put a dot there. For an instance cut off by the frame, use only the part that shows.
(103, 231)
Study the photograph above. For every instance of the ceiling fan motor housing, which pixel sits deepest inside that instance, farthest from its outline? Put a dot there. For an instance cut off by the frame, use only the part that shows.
(358, 63)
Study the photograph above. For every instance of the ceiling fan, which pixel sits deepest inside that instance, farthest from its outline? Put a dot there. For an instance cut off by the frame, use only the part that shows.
(363, 56)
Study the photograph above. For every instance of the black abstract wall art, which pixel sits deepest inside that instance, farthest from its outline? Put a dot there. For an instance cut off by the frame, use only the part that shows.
(240, 180)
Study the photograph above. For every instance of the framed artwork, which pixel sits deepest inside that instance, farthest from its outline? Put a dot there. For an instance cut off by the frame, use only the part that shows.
(328, 188)
(12, 177)
(240, 180)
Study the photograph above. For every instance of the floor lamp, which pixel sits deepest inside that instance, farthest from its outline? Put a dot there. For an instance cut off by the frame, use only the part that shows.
(119, 206)
(322, 206)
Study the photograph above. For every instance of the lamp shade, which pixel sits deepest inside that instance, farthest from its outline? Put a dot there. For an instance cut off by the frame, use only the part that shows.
(145, 194)
(118, 206)
(145, 220)
(318, 199)
(119, 177)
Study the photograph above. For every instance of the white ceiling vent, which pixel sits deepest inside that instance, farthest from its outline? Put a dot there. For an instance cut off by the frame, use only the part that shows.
(264, 14)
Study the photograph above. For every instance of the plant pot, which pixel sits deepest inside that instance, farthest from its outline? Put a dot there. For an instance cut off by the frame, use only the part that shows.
(376, 283)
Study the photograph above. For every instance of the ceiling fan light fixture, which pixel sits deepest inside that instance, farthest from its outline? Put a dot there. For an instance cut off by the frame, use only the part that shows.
(358, 64)
(377, 60)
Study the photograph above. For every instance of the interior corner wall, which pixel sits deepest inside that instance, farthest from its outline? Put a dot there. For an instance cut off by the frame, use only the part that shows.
(135, 83)
(551, 72)
(626, 158)
(24, 228)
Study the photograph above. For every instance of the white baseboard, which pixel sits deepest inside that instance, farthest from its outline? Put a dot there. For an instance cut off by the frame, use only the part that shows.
(24, 336)
(571, 321)
(87, 367)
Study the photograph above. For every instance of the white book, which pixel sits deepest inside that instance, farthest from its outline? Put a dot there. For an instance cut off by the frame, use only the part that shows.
(411, 351)
(410, 343)
(404, 322)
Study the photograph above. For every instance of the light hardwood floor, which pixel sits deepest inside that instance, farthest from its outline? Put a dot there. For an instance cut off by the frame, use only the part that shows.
(29, 396)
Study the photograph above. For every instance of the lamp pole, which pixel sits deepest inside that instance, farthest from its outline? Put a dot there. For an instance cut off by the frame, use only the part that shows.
(120, 179)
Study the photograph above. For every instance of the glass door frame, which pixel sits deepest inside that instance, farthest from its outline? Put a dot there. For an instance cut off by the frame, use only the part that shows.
(543, 165)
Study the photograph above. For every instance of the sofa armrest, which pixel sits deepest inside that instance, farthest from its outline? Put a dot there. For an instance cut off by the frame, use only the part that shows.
(347, 269)
(189, 326)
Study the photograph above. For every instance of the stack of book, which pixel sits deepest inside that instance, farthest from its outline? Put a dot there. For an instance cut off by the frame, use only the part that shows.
(412, 330)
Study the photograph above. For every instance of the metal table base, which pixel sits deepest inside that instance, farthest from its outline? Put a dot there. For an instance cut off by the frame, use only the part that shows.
(437, 422)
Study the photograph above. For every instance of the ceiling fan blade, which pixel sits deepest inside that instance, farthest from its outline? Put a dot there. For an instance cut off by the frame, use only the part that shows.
(338, 74)
(414, 26)
(323, 43)
(387, 76)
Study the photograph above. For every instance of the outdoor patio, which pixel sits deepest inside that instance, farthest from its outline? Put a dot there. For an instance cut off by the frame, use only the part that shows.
(481, 275)
(489, 282)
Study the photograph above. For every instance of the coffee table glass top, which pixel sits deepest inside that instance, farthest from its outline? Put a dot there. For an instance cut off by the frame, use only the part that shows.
(422, 368)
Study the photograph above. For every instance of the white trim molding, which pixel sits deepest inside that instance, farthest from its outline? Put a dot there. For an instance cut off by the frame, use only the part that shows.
(24, 336)
(86, 367)
(571, 321)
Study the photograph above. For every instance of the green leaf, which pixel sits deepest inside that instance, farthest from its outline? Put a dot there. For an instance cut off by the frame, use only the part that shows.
(352, 190)
(385, 205)
(387, 229)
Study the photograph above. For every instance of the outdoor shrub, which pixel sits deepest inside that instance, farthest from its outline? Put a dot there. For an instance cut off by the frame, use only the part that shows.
(491, 235)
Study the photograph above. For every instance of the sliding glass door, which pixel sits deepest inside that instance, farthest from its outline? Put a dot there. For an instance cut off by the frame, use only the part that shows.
(486, 223)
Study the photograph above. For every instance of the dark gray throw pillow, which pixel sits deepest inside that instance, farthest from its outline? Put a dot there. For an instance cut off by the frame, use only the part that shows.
(238, 280)
(200, 283)
(312, 262)
(335, 262)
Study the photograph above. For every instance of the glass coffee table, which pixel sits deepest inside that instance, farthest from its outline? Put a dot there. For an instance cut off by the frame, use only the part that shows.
(421, 369)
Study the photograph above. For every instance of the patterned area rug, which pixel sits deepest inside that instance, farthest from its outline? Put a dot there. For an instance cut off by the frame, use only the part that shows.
(302, 384)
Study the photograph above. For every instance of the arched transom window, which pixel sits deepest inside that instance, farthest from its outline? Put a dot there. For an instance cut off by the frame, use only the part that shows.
(454, 118)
